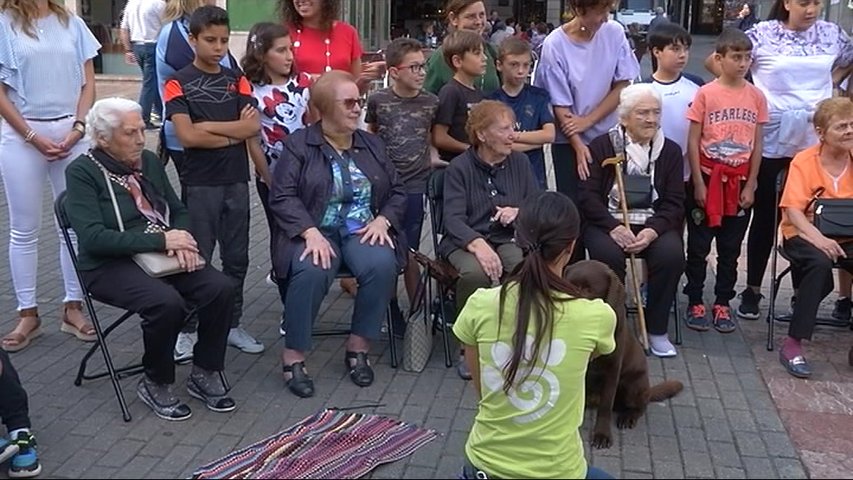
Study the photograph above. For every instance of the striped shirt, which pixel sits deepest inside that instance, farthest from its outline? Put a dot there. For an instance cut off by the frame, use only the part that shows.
(44, 75)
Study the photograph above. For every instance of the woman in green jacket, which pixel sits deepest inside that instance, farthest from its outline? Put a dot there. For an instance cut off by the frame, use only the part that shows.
(465, 15)
(152, 220)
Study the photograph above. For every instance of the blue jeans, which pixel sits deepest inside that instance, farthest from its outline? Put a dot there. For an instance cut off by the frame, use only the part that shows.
(375, 269)
(149, 96)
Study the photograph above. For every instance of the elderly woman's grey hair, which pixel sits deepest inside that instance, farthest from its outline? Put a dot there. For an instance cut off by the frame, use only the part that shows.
(631, 96)
(105, 115)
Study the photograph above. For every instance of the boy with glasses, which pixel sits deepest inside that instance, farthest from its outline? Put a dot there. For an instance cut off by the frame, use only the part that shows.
(402, 116)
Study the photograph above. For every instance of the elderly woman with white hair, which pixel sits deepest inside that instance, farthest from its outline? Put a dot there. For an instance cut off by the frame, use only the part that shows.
(118, 177)
(654, 192)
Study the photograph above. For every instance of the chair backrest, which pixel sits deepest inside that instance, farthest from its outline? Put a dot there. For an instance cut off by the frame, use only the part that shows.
(435, 197)
(59, 211)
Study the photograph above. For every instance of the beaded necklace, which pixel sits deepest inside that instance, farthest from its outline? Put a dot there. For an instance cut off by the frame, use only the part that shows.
(327, 41)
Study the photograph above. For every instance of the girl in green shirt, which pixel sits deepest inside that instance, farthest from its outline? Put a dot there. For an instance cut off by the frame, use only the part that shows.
(528, 344)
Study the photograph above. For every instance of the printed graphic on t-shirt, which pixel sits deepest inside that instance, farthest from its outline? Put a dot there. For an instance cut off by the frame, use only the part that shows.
(729, 117)
(539, 392)
(284, 108)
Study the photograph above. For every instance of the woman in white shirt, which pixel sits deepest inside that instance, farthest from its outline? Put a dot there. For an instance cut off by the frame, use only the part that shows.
(796, 59)
(47, 85)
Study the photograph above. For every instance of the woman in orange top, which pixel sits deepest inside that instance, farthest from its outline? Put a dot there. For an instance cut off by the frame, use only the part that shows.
(827, 166)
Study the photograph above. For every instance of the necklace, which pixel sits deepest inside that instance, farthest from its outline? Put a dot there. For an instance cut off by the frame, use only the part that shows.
(297, 43)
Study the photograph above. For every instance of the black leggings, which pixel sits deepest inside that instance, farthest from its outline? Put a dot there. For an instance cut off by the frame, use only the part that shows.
(760, 239)
(14, 410)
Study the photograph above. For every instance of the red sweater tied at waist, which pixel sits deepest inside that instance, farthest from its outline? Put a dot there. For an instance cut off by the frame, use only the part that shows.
(723, 189)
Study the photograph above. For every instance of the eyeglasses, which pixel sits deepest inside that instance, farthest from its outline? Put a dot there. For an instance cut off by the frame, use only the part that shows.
(351, 103)
(415, 68)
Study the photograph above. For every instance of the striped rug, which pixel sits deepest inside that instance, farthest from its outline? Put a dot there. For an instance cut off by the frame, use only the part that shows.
(328, 444)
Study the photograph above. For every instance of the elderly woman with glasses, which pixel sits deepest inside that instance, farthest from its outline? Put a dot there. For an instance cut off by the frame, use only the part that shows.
(153, 219)
(337, 202)
(654, 189)
(483, 188)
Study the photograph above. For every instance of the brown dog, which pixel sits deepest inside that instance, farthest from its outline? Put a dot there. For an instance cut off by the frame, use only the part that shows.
(619, 381)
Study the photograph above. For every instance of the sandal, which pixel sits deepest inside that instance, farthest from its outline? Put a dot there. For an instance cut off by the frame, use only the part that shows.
(360, 372)
(28, 328)
(300, 383)
(84, 331)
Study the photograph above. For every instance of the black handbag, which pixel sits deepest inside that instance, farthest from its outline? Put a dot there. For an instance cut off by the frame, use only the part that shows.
(833, 217)
(638, 191)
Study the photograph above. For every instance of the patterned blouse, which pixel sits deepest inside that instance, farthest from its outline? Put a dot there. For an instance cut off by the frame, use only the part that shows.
(349, 205)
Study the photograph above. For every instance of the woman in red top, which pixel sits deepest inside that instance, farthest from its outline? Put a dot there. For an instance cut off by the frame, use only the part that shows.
(322, 43)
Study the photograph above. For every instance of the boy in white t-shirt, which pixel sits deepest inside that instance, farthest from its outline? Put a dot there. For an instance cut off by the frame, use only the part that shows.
(669, 44)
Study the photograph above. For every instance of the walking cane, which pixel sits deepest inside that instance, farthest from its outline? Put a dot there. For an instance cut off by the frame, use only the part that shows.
(617, 160)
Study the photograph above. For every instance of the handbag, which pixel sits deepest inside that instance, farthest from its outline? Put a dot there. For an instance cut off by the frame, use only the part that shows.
(638, 191)
(417, 341)
(833, 217)
(154, 264)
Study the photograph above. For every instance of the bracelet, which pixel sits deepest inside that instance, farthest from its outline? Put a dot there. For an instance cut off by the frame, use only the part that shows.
(230, 141)
(81, 123)
(31, 134)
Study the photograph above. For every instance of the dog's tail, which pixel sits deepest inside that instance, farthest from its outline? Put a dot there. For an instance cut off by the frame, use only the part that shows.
(665, 390)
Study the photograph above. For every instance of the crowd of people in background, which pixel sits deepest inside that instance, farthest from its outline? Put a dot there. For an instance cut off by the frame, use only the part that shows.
(700, 161)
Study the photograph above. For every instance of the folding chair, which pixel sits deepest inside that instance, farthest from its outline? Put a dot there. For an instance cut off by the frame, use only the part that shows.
(344, 272)
(444, 291)
(115, 374)
(778, 250)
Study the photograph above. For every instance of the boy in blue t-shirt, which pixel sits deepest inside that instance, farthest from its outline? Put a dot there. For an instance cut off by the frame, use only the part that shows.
(670, 47)
(534, 120)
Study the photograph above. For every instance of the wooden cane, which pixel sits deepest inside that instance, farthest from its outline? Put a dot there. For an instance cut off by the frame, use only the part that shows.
(620, 186)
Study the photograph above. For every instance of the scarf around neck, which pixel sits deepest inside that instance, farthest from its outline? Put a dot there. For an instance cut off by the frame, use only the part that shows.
(149, 202)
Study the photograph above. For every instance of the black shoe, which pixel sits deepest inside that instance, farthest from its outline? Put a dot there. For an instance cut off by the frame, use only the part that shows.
(162, 401)
(300, 383)
(696, 318)
(359, 372)
(208, 387)
(723, 322)
(748, 308)
(797, 366)
(842, 309)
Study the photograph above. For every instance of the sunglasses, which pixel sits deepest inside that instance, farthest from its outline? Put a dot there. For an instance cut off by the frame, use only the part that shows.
(351, 103)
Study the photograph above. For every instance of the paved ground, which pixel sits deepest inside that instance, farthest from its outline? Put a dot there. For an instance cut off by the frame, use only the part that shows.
(739, 416)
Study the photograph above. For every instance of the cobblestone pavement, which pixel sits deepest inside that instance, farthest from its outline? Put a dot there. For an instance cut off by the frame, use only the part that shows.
(726, 423)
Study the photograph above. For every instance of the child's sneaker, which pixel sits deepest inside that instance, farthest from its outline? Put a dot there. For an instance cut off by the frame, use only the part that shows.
(723, 322)
(696, 318)
(26, 463)
(7, 449)
(748, 307)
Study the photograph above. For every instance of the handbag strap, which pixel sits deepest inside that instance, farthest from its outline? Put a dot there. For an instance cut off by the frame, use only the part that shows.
(112, 194)
(815, 195)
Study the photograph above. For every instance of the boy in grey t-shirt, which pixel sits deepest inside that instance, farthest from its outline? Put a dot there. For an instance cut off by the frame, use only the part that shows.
(402, 115)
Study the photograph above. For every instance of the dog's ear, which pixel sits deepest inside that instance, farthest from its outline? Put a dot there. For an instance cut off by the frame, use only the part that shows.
(615, 290)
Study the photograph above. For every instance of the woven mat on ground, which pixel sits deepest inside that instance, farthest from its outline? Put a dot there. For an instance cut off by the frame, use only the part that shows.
(328, 444)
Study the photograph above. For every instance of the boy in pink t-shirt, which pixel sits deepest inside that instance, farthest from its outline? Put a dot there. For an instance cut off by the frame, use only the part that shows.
(724, 148)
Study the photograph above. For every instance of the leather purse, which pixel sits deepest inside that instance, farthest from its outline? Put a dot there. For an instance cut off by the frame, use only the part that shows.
(833, 217)
(638, 191)
(154, 264)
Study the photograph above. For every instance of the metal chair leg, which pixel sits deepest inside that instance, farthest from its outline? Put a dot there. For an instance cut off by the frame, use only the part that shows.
(677, 307)
(125, 412)
(391, 337)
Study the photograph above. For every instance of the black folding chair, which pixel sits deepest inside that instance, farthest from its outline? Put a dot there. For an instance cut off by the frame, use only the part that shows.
(676, 310)
(779, 250)
(440, 301)
(115, 374)
(343, 272)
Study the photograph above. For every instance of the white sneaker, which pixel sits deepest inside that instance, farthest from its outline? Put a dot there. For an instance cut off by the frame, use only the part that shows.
(661, 346)
(184, 346)
(240, 338)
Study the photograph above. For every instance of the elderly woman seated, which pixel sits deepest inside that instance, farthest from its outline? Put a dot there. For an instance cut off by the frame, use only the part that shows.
(483, 188)
(823, 171)
(152, 220)
(654, 189)
(337, 200)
